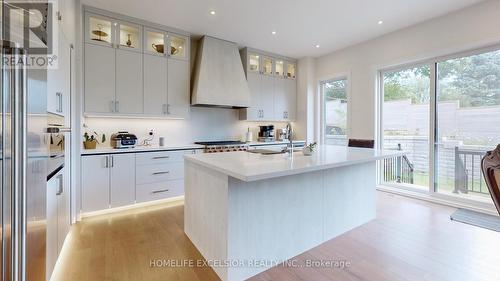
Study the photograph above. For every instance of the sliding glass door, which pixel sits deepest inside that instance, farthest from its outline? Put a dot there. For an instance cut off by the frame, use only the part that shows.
(468, 122)
(450, 105)
(406, 107)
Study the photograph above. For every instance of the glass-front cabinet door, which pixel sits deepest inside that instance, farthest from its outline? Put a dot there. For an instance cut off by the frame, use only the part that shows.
(253, 63)
(290, 70)
(100, 30)
(154, 42)
(267, 66)
(279, 68)
(178, 46)
(129, 36)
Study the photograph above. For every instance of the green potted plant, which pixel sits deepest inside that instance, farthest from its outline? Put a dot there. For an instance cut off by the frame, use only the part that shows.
(90, 140)
(309, 149)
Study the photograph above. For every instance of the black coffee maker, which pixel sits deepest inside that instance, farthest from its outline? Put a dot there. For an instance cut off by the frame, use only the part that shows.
(266, 133)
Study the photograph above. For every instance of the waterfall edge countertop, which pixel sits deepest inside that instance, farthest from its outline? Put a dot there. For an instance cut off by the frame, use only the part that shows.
(247, 166)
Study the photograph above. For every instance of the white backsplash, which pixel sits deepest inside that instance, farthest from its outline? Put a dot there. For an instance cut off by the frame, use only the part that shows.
(204, 124)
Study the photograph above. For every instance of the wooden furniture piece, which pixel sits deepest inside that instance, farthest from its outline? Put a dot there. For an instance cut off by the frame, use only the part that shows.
(490, 165)
(361, 143)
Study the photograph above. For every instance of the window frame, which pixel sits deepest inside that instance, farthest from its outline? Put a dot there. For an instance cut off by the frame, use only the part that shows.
(322, 104)
(432, 191)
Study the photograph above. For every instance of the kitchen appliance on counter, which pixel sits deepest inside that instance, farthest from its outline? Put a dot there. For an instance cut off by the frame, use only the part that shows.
(223, 146)
(266, 133)
(123, 140)
(283, 134)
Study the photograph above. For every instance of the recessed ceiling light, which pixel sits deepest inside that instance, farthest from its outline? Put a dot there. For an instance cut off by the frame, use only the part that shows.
(317, 46)
(273, 32)
(380, 22)
(212, 12)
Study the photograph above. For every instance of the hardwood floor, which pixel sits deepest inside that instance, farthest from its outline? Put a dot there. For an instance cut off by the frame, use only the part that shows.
(409, 240)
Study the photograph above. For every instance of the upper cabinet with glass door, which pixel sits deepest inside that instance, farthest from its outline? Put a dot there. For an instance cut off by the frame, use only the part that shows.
(253, 63)
(179, 46)
(154, 42)
(129, 36)
(279, 68)
(267, 66)
(291, 70)
(100, 30)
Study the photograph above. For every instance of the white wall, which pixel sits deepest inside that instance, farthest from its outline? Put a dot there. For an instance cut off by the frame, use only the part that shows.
(474, 27)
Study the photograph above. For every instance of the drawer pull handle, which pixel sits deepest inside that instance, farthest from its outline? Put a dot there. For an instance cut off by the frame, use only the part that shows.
(160, 191)
(161, 157)
(161, 173)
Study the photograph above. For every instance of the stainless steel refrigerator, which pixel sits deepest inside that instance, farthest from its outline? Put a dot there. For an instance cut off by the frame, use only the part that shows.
(24, 155)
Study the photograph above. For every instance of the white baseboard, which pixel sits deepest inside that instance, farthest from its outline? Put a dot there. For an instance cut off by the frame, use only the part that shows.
(442, 200)
(169, 202)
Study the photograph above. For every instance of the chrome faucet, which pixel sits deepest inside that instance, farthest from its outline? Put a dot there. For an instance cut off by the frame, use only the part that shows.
(290, 141)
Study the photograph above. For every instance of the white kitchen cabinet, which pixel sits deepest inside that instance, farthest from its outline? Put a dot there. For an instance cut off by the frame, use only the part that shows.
(291, 99)
(280, 99)
(122, 179)
(267, 97)
(272, 87)
(63, 208)
(129, 87)
(254, 85)
(127, 69)
(58, 79)
(99, 79)
(51, 240)
(116, 180)
(108, 181)
(155, 85)
(178, 88)
(95, 183)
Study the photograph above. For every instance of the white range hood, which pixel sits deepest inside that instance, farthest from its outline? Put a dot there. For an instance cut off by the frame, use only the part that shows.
(219, 77)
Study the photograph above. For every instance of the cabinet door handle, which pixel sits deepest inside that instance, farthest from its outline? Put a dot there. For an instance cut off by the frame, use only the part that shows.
(113, 107)
(59, 102)
(161, 173)
(168, 108)
(112, 161)
(117, 106)
(161, 157)
(106, 161)
(160, 191)
(61, 185)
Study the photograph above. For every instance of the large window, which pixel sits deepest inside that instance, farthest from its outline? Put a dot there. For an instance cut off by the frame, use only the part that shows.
(451, 106)
(334, 93)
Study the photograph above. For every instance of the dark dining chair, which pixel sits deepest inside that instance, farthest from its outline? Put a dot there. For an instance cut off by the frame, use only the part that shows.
(490, 164)
(361, 143)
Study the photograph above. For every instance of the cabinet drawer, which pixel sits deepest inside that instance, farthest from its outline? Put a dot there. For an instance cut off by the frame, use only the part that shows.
(159, 190)
(159, 172)
(161, 157)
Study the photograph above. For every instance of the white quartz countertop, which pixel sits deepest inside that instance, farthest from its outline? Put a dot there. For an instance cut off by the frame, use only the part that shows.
(247, 166)
(110, 150)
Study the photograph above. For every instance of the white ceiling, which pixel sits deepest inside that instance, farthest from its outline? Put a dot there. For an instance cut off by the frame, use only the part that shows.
(300, 24)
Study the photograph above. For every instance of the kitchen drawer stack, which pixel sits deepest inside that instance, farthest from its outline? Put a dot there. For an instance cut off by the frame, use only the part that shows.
(123, 179)
(159, 175)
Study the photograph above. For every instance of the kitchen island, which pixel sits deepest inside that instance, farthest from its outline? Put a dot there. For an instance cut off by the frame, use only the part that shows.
(247, 212)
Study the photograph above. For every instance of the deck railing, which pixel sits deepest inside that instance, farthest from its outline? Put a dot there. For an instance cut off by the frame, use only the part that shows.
(398, 169)
(468, 172)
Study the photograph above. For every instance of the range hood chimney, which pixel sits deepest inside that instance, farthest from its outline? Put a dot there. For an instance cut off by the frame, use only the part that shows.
(219, 77)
